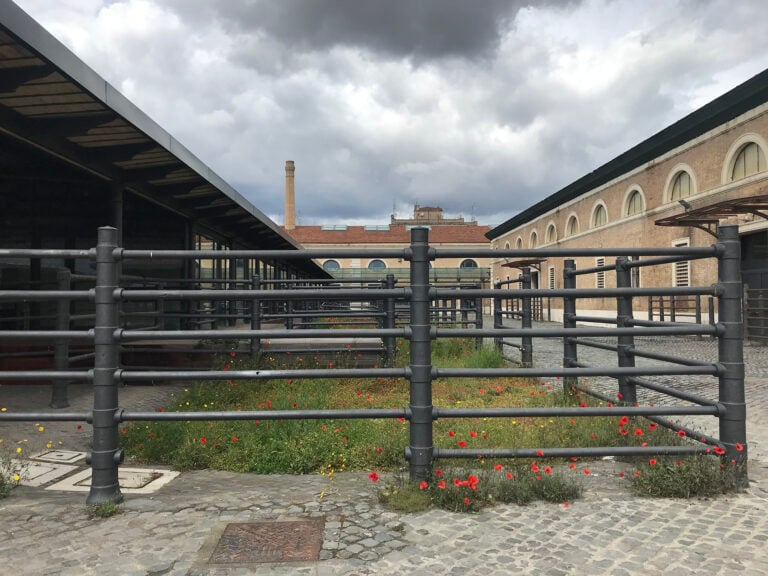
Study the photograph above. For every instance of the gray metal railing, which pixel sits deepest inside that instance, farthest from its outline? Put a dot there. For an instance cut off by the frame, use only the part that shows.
(107, 335)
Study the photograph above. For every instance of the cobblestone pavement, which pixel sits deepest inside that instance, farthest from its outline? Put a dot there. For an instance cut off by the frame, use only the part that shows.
(608, 531)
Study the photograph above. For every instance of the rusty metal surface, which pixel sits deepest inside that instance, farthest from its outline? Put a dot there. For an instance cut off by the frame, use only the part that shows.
(259, 542)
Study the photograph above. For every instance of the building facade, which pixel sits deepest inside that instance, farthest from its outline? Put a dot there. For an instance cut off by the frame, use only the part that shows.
(670, 190)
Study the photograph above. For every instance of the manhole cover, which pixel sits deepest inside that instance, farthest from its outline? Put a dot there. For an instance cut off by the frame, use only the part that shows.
(295, 541)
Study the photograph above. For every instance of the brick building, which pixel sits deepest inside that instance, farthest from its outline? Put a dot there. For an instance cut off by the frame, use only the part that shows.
(670, 190)
(443, 232)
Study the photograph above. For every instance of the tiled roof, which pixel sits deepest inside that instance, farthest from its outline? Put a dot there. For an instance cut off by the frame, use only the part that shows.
(397, 234)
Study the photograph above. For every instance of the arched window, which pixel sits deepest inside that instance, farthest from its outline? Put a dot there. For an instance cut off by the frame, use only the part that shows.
(534, 241)
(377, 265)
(331, 266)
(506, 246)
(572, 227)
(635, 204)
(750, 160)
(551, 234)
(599, 216)
(468, 263)
(682, 187)
(519, 243)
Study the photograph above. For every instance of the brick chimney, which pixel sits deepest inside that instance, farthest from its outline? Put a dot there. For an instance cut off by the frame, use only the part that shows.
(290, 196)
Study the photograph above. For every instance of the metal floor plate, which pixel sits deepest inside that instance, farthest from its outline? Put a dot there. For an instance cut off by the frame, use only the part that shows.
(259, 542)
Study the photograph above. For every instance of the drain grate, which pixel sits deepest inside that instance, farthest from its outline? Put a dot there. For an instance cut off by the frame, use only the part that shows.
(255, 542)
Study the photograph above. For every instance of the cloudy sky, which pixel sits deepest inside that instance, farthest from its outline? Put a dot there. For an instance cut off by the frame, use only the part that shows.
(480, 107)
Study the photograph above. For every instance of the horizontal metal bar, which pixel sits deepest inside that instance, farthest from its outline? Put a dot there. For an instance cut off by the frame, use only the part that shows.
(694, 435)
(594, 344)
(44, 253)
(669, 391)
(665, 357)
(138, 375)
(45, 335)
(302, 294)
(594, 452)
(572, 412)
(713, 290)
(124, 416)
(122, 254)
(46, 417)
(702, 251)
(662, 260)
(686, 329)
(596, 319)
(638, 322)
(592, 270)
(128, 335)
(711, 370)
(27, 375)
(44, 295)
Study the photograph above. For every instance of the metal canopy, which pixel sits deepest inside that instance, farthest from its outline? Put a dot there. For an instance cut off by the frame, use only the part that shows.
(707, 218)
(525, 263)
(51, 100)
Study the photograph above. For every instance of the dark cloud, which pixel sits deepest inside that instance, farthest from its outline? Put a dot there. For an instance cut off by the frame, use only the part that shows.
(421, 29)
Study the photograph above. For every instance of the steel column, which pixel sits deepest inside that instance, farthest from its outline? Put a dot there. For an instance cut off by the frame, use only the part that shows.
(106, 454)
(570, 354)
(733, 430)
(627, 390)
(421, 446)
(389, 322)
(255, 313)
(497, 321)
(527, 319)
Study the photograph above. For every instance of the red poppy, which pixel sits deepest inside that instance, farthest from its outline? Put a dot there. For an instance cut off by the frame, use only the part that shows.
(739, 447)
(719, 450)
(423, 485)
(678, 463)
(539, 452)
(573, 466)
(621, 474)
(623, 421)
(462, 444)
(534, 467)
(498, 467)
(233, 353)
(79, 426)
(456, 482)
(438, 472)
(652, 462)
(566, 504)
(586, 471)
(378, 450)
(441, 485)
(373, 477)
(473, 433)
(451, 433)
(638, 432)
(619, 396)
(637, 472)
(203, 440)
(548, 470)
(466, 501)
(510, 476)
(681, 433)
(160, 409)
(653, 426)
(623, 431)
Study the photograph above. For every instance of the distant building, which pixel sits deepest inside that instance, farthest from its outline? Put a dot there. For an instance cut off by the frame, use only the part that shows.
(443, 232)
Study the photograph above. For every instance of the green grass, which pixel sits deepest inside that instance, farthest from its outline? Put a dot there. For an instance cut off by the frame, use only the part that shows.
(317, 446)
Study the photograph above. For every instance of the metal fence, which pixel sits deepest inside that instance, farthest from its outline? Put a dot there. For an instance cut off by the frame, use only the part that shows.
(108, 334)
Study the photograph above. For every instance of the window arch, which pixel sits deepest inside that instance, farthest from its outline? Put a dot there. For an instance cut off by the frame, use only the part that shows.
(506, 246)
(635, 203)
(377, 265)
(468, 263)
(519, 243)
(533, 241)
(572, 226)
(551, 233)
(599, 215)
(749, 160)
(331, 265)
(681, 184)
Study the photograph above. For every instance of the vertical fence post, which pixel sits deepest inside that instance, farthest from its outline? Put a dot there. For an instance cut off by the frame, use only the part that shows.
(697, 312)
(255, 313)
(672, 309)
(527, 320)
(497, 322)
(106, 454)
(478, 318)
(711, 313)
(650, 308)
(389, 321)
(59, 397)
(661, 309)
(730, 347)
(569, 321)
(421, 447)
(627, 389)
